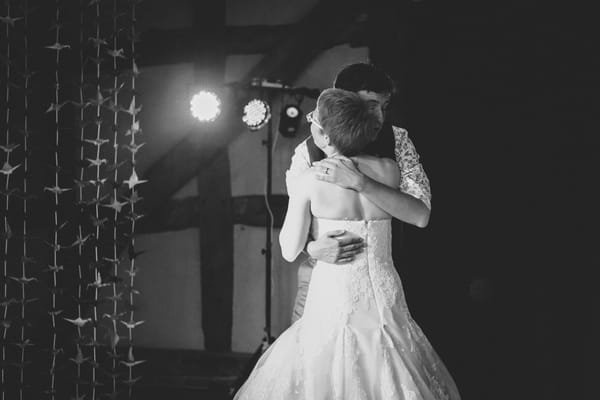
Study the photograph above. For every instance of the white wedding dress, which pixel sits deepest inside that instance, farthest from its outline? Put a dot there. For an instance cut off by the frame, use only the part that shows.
(356, 339)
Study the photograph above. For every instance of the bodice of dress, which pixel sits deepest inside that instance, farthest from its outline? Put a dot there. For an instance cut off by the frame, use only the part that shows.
(376, 233)
(369, 281)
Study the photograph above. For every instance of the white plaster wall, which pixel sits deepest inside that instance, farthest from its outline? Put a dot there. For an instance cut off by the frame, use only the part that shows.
(170, 300)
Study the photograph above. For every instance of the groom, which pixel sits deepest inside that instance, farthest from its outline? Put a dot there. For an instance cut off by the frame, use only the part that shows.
(410, 203)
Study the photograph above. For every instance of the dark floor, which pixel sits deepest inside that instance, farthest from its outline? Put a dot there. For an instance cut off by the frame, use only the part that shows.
(189, 374)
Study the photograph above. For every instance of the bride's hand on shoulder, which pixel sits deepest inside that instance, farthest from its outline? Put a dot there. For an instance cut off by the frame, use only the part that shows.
(341, 171)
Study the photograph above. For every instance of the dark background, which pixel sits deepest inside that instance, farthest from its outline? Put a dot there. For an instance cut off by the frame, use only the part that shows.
(501, 101)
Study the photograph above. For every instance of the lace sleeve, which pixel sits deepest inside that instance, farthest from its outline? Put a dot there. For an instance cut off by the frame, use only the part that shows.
(414, 180)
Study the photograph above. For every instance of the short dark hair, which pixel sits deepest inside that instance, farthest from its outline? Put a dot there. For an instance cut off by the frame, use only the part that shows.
(364, 76)
(350, 121)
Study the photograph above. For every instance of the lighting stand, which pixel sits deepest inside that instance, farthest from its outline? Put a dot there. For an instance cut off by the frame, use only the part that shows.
(267, 251)
(267, 338)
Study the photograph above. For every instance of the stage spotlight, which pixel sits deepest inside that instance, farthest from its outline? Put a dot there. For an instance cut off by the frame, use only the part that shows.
(256, 114)
(205, 106)
(289, 121)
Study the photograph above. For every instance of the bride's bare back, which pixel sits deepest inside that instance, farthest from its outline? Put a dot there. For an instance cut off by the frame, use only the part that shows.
(333, 202)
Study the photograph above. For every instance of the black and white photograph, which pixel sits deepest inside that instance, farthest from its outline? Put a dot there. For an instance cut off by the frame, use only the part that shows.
(299, 200)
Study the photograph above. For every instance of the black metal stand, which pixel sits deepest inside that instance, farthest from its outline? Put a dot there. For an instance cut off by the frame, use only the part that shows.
(269, 88)
(267, 251)
(268, 339)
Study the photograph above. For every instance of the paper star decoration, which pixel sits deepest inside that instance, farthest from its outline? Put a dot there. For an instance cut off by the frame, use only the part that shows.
(97, 142)
(9, 148)
(80, 240)
(132, 109)
(133, 180)
(132, 324)
(134, 198)
(23, 280)
(133, 147)
(56, 189)
(54, 268)
(79, 322)
(7, 169)
(135, 128)
(9, 20)
(56, 106)
(58, 46)
(115, 205)
(79, 358)
(131, 360)
(97, 162)
(116, 53)
(98, 41)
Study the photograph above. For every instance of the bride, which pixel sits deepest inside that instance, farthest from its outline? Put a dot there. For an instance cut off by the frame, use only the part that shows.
(356, 339)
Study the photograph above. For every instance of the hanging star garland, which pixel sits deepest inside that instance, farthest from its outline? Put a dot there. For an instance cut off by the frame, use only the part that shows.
(54, 268)
(8, 20)
(133, 180)
(58, 46)
(97, 162)
(114, 204)
(98, 222)
(56, 106)
(79, 322)
(80, 240)
(98, 41)
(10, 192)
(133, 147)
(97, 142)
(132, 110)
(9, 148)
(131, 362)
(119, 53)
(135, 129)
(134, 198)
(8, 169)
(114, 317)
(79, 358)
(23, 280)
(113, 167)
(56, 189)
(132, 324)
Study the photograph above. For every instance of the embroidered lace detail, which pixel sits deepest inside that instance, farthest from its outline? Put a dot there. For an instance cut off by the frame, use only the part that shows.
(436, 387)
(408, 394)
(356, 339)
(384, 277)
(388, 383)
(414, 179)
(371, 278)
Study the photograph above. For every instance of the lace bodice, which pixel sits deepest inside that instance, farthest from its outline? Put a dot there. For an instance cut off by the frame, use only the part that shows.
(376, 234)
(371, 277)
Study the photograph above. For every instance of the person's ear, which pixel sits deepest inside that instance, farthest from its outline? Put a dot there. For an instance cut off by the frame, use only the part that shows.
(327, 140)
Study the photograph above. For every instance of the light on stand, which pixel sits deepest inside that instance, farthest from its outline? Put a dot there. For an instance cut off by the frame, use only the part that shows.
(256, 114)
(205, 106)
